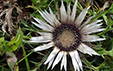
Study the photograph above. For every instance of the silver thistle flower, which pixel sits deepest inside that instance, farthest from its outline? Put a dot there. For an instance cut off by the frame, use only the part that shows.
(67, 36)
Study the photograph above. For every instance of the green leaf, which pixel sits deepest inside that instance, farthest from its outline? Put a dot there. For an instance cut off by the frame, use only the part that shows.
(89, 64)
(32, 30)
(24, 22)
(110, 10)
(39, 63)
(34, 2)
(1, 39)
(105, 18)
(104, 52)
(14, 44)
(11, 61)
(1, 42)
(111, 16)
(17, 41)
(5, 46)
(1, 51)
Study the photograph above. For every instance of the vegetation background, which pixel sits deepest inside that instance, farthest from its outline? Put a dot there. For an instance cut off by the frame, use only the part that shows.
(16, 28)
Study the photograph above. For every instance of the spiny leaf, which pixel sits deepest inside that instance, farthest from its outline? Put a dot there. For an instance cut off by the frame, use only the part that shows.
(104, 52)
(110, 10)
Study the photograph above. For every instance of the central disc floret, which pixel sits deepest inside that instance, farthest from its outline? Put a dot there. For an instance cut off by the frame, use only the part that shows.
(66, 37)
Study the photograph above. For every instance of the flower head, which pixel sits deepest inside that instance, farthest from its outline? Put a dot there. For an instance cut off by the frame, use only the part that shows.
(67, 36)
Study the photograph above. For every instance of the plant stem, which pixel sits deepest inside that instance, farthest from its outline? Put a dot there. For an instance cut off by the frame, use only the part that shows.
(26, 60)
(25, 57)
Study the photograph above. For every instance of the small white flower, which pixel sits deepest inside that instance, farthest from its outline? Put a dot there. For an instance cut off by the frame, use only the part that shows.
(67, 36)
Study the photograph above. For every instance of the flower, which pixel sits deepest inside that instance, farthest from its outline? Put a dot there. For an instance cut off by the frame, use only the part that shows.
(67, 36)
